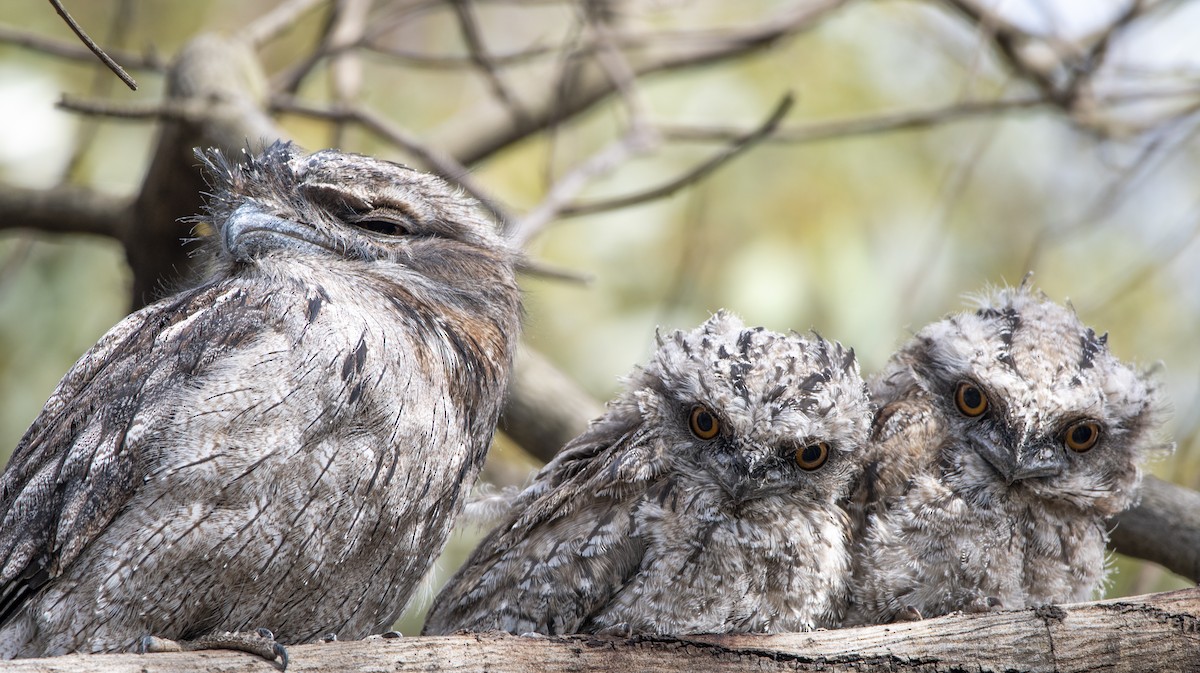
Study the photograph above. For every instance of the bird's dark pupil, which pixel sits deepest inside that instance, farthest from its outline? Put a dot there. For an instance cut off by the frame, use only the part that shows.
(1082, 434)
(972, 398)
(704, 421)
(811, 454)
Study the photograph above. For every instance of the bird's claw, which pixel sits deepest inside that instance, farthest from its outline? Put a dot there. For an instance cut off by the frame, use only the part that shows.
(261, 643)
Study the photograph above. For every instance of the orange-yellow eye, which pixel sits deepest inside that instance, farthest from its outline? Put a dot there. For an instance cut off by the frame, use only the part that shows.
(1082, 435)
(704, 424)
(812, 456)
(970, 399)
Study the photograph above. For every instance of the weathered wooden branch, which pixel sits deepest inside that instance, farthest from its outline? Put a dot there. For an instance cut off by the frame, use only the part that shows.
(1163, 528)
(1158, 632)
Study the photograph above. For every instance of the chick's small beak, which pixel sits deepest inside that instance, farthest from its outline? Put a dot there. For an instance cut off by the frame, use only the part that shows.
(1037, 459)
(1027, 460)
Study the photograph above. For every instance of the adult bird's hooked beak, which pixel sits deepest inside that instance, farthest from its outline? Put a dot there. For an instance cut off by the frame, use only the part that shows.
(251, 231)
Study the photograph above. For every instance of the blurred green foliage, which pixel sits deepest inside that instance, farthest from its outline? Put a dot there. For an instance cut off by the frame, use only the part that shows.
(864, 239)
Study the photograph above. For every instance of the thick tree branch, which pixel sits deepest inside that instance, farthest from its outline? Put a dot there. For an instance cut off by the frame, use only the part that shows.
(545, 409)
(64, 210)
(1164, 528)
(1157, 632)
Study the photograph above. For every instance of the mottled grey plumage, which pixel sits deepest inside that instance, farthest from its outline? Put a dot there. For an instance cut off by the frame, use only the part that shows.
(642, 525)
(284, 446)
(1005, 438)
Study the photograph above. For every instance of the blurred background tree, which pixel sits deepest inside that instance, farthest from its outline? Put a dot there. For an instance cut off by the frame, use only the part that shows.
(932, 148)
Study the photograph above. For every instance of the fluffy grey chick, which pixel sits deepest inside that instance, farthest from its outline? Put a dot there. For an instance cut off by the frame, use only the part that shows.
(703, 501)
(285, 445)
(1005, 438)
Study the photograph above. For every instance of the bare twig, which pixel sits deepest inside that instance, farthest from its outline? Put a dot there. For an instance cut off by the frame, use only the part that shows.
(1008, 39)
(619, 72)
(570, 184)
(1157, 152)
(540, 269)
(76, 52)
(871, 124)
(184, 111)
(557, 202)
(347, 24)
(277, 21)
(438, 162)
(101, 86)
(288, 80)
(1094, 58)
(700, 49)
(457, 61)
(737, 147)
(483, 61)
(95, 48)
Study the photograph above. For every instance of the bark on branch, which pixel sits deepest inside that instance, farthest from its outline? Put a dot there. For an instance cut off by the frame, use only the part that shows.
(1144, 633)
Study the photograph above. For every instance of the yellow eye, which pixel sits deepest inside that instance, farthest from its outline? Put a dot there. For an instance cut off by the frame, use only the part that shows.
(704, 424)
(1082, 435)
(812, 456)
(970, 399)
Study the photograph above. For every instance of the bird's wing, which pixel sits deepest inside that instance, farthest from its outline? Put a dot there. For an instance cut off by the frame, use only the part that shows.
(905, 439)
(566, 545)
(81, 460)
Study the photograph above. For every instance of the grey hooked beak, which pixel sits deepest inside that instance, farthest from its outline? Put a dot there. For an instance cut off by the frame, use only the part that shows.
(250, 231)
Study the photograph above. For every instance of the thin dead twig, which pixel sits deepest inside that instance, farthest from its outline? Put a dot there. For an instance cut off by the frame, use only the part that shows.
(736, 148)
(483, 61)
(76, 52)
(435, 160)
(842, 128)
(570, 184)
(346, 27)
(277, 21)
(619, 72)
(288, 80)
(95, 48)
(101, 86)
(541, 269)
(192, 111)
(1008, 39)
(724, 45)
